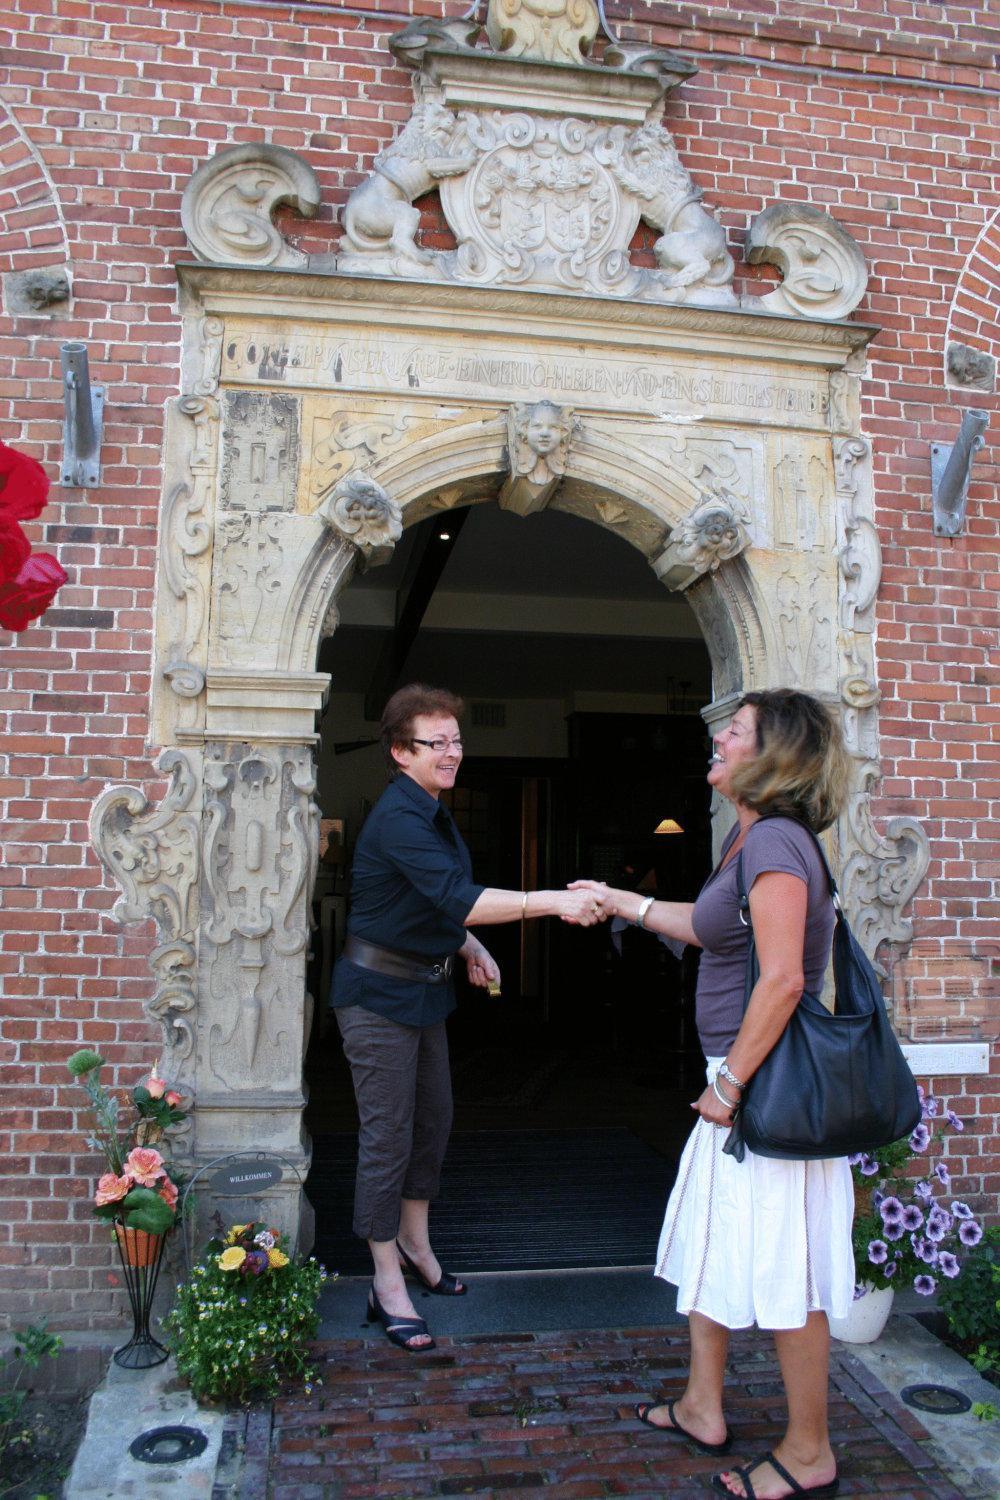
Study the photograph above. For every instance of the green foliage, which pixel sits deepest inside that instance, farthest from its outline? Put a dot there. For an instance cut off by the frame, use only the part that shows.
(33, 1344)
(141, 1209)
(971, 1304)
(985, 1411)
(240, 1332)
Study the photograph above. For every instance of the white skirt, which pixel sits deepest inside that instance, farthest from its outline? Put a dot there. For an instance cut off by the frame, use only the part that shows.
(758, 1241)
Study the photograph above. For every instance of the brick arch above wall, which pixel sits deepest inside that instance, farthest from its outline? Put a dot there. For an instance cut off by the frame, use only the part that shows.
(32, 226)
(974, 316)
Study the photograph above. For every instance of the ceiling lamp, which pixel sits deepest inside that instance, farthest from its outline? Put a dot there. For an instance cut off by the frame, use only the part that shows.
(668, 825)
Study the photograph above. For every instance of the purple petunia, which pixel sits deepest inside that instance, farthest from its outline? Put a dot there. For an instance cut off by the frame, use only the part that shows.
(912, 1217)
(921, 1138)
(891, 1210)
(878, 1197)
(969, 1232)
(942, 1174)
(925, 1285)
(878, 1252)
(923, 1191)
(855, 1159)
(931, 1105)
(954, 1120)
(894, 1230)
(868, 1167)
(961, 1210)
(936, 1229)
(948, 1264)
(890, 1268)
(923, 1250)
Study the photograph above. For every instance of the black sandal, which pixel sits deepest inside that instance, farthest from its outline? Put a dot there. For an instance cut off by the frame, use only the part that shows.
(398, 1330)
(675, 1429)
(749, 1493)
(448, 1286)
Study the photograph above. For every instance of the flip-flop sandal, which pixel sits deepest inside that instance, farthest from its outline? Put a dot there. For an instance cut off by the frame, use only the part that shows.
(675, 1429)
(818, 1490)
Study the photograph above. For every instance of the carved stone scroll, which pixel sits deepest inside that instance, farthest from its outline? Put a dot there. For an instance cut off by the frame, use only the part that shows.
(185, 565)
(538, 441)
(227, 205)
(825, 275)
(153, 855)
(362, 512)
(881, 874)
(712, 534)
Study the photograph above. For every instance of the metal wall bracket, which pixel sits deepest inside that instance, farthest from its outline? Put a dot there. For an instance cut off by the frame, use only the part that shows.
(951, 467)
(83, 421)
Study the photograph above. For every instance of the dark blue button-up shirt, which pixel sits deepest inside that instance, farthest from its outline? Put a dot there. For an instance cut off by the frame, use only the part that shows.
(411, 890)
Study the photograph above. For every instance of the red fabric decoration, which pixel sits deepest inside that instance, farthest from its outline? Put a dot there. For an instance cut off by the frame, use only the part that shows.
(15, 548)
(28, 582)
(31, 592)
(24, 484)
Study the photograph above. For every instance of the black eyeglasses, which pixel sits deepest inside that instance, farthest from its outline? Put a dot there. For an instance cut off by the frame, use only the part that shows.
(438, 745)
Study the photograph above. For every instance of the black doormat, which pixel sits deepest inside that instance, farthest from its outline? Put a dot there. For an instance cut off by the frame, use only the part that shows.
(515, 1200)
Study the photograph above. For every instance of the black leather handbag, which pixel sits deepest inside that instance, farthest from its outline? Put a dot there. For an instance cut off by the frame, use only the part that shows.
(834, 1082)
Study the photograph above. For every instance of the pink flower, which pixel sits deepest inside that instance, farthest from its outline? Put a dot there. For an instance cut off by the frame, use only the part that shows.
(172, 1098)
(168, 1192)
(111, 1189)
(144, 1165)
(154, 1086)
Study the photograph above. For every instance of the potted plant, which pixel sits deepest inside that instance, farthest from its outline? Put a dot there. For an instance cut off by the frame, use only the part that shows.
(138, 1194)
(907, 1230)
(242, 1322)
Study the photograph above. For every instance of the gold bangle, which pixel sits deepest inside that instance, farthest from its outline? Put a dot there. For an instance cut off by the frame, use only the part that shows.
(524, 906)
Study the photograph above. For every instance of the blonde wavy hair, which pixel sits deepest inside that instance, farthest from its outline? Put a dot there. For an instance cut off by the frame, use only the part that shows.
(801, 769)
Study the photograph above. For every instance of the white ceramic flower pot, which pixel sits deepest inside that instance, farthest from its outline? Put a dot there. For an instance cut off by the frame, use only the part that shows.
(867, 1317)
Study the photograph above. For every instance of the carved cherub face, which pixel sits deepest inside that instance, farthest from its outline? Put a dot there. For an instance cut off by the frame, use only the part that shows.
(545, 428)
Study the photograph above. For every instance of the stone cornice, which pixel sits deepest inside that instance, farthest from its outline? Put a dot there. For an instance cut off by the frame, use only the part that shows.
(306, 297)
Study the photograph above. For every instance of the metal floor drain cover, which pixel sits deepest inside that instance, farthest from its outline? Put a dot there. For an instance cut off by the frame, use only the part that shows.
(168, 1445)
(941, 1399)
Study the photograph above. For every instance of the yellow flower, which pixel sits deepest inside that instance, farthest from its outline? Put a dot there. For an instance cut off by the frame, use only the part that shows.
(276, 1259)
(232, 1259)
(235, 1233)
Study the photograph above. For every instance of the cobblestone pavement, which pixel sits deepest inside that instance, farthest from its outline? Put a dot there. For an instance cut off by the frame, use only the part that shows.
(551, 1415)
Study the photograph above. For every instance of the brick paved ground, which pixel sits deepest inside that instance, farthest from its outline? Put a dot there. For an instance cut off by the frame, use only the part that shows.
(551, 1415)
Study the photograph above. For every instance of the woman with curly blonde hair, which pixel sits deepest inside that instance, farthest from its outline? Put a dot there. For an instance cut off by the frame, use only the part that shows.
(761, 1241)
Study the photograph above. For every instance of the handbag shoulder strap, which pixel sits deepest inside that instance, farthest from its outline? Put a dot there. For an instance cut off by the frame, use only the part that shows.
(744, 899)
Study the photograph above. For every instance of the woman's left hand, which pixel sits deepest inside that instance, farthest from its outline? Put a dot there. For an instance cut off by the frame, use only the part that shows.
(481, 966)
(712, 1110)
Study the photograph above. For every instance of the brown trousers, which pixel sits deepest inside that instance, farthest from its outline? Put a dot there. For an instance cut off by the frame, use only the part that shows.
(402, 1084)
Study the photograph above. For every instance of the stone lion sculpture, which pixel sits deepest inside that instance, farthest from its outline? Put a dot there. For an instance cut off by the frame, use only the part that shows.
(692, 246)
(379, 215)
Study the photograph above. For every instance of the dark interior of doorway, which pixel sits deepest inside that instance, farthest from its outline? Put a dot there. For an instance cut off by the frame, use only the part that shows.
(572, 1089)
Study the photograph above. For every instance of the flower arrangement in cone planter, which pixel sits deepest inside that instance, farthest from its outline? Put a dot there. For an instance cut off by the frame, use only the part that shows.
(139, 1192)
(907, 1231)
(240, 1325)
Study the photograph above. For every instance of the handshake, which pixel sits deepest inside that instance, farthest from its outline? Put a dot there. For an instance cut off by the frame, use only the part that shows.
(584, 903)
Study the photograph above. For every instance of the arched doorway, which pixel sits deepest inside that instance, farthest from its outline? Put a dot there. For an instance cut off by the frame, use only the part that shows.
(584, 679)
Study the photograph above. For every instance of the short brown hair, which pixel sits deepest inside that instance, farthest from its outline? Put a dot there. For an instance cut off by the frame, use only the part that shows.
(404, 706)
(801, 768)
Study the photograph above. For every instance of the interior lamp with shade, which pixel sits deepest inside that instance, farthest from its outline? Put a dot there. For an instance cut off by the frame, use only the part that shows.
(668, 825)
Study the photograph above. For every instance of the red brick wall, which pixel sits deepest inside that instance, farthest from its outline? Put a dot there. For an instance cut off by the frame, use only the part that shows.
(881, 112)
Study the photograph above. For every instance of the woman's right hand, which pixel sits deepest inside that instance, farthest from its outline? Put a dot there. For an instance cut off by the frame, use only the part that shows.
(582, 905)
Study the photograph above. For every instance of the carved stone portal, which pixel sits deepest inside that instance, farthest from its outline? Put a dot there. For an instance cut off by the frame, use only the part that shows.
(324, 410)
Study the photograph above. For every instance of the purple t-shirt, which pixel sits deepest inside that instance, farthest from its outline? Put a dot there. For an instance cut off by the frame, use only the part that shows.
(772, 844)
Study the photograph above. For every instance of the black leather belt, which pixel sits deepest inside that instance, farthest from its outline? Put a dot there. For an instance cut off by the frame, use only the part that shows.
(395, 965)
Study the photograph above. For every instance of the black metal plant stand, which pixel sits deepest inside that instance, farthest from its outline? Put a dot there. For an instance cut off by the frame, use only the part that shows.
(142, 1351)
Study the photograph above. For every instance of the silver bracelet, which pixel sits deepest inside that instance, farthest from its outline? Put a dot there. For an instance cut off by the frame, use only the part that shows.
(731, 1077)
(640, 916)
(729, 1103)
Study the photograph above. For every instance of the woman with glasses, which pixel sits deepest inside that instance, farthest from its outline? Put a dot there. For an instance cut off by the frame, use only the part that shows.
(413, 903)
